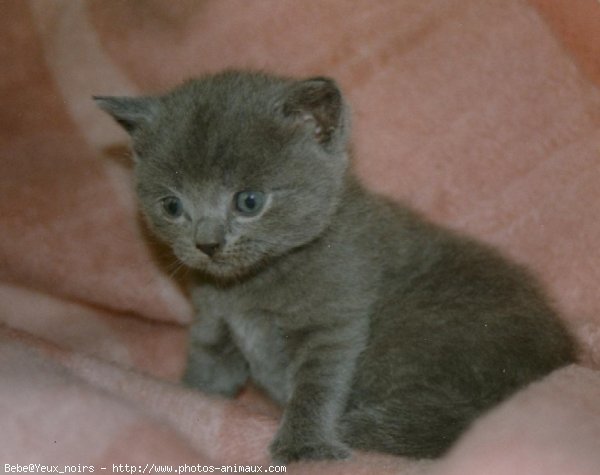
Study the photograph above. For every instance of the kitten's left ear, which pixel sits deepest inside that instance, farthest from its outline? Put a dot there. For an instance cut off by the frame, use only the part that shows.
(130, 112)
(317, 99)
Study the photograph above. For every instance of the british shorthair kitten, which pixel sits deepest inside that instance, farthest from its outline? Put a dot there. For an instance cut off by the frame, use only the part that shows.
(372, 327)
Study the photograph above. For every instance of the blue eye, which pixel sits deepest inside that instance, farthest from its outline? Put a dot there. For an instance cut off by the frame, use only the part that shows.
(172, 206)
(249, 203)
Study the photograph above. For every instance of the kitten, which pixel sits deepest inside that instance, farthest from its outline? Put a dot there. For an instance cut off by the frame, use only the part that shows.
(374, 329)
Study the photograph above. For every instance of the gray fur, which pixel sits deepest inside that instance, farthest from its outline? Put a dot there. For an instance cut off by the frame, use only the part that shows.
(372, 327)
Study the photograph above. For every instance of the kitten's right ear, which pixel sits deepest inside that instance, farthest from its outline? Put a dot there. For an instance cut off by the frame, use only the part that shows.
(130, 112)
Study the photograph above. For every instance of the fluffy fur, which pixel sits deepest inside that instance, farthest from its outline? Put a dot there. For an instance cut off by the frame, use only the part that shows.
(372, 327)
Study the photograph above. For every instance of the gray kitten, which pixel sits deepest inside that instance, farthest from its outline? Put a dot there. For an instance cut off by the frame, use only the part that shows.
(373, 328)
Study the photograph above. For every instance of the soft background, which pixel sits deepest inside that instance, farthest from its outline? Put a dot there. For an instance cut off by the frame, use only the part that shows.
(485, 115)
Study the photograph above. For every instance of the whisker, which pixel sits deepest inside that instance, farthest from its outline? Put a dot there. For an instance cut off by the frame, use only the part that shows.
(175, 267)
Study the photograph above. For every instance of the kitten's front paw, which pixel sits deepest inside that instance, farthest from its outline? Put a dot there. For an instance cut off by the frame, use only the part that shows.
(284, 451)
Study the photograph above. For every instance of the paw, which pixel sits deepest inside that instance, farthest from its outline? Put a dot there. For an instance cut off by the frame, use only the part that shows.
(207, 377)
(285, 452)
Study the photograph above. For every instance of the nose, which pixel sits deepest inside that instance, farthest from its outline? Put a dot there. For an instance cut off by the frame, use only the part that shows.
(209, 248)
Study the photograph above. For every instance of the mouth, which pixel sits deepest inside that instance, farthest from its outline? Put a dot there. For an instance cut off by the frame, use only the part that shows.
(220, 267)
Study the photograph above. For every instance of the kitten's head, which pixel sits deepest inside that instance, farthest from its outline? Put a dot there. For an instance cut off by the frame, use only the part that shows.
(237, 168)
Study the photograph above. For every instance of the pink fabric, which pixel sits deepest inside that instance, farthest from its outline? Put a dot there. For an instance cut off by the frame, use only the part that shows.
(484, 115)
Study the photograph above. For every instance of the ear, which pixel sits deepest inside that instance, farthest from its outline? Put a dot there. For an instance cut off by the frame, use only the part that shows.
(317, 99)
(130, 112)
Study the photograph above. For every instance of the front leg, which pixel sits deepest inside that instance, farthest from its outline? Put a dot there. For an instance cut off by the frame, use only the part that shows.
(215, 364)
(322, 370)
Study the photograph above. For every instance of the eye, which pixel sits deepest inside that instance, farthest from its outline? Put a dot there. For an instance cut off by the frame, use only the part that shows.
(249, 203)
(172, 206)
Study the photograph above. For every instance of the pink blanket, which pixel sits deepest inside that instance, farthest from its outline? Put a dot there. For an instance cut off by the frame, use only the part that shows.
(483, 115)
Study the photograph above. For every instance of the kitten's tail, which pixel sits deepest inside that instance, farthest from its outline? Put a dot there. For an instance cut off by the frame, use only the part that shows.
(416, 429)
